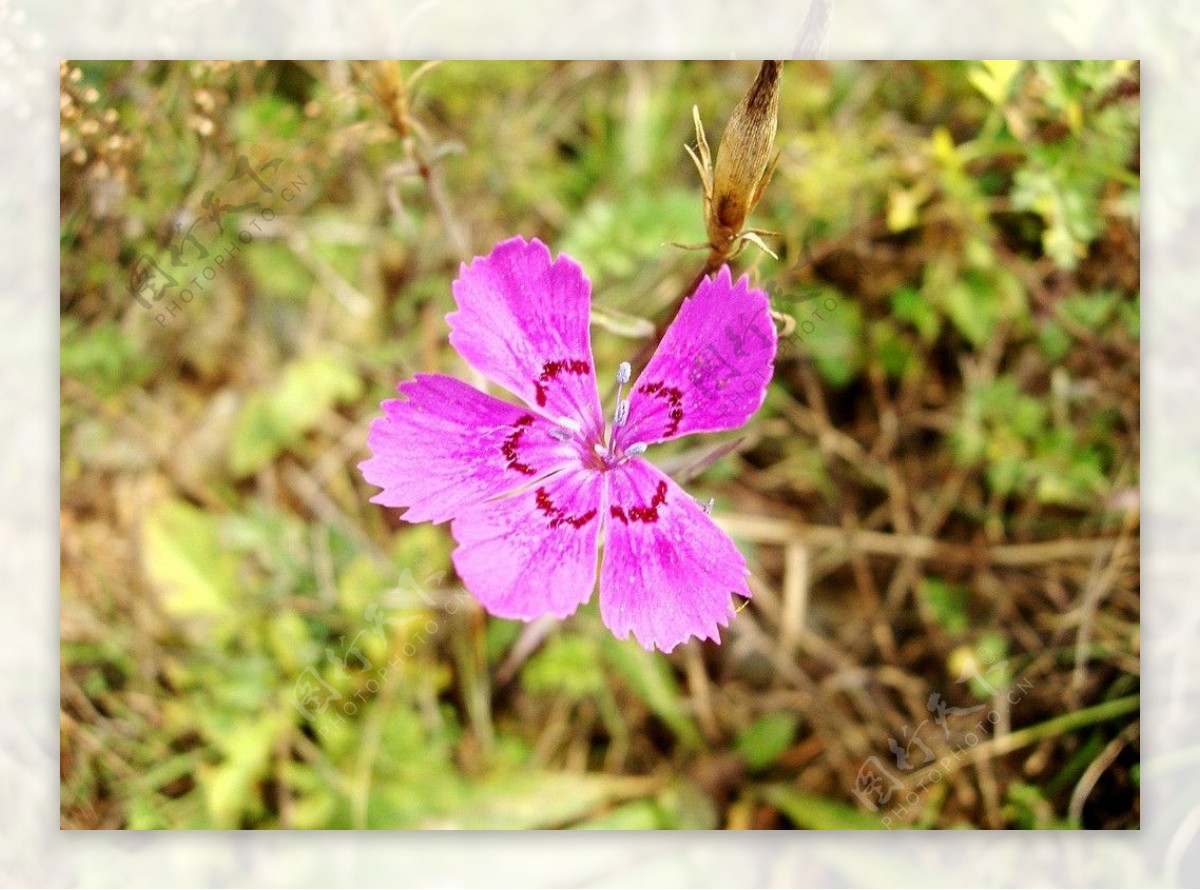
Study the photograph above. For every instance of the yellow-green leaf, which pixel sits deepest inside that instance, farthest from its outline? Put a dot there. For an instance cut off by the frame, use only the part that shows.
(539, 800)
(761, 743)
(184, 558)
(278, 418)
(228, 786)
(820, 813)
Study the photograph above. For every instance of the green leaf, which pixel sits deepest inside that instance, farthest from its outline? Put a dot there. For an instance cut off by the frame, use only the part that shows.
(829, 328)
(144, 814)
(104, 358)
(229, 786)
(1026, 414)
(762, 742)
(290, 642)
(1054, 340)
(1091, 311)
(947, 603)
(1007, 472)
(255, 440)
(1026, 807)
(819, 813)
(688, 807)
(534, 800)
(499, 636)
(310, 387)
(910, 305)
(991, 647)
(360, 585)
(1067, 471)
(1130, 312)
(186, 561)
(277, 272)
(892, 349)
(570, 665)
(613, 238)
(649, 675)
(1000, 424)
(265, 117)
(272, 421)
(314, 803)
(637, 815)
(1064, 197)
(973, 304)
(994, 78)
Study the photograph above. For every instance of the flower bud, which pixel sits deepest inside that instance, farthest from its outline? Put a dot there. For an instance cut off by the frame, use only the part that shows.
(745, 158)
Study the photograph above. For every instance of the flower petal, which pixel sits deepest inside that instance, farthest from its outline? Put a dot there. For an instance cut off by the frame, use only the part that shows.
(711, 370)
(533, 554)
(522, 321)
(668, 573)
(449, 447)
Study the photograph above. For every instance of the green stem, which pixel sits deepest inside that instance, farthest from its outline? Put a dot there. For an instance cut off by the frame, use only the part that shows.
(1053, 727)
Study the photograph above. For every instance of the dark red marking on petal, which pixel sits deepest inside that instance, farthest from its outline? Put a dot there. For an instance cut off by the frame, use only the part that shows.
(551, 371)
(509, 447)
(673, 397)
(558, 516)
(647, 513)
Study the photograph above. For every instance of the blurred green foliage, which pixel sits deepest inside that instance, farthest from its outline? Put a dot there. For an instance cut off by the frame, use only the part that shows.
(249, 643)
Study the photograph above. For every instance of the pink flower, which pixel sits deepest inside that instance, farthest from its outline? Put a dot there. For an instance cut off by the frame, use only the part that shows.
(531, 490)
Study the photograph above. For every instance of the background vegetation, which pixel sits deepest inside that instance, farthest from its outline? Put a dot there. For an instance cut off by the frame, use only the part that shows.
(939, 500)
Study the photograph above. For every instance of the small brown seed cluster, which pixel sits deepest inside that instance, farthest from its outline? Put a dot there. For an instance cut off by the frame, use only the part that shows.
(92, 141)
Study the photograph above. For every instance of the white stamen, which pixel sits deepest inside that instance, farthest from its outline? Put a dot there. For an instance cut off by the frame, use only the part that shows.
(624, 371)
(622, 412)
(560, 434)
(709, 506)
(635, 449)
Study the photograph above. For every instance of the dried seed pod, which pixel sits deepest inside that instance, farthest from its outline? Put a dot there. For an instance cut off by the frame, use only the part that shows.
(745, 158)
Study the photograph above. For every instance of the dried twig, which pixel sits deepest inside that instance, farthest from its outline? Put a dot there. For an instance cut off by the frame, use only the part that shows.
(770, 530)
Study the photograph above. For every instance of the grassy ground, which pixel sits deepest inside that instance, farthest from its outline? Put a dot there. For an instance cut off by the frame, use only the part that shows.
(939, 499)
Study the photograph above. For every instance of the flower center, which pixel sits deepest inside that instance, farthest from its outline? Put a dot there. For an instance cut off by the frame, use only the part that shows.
(606, 454)
(605, 457)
